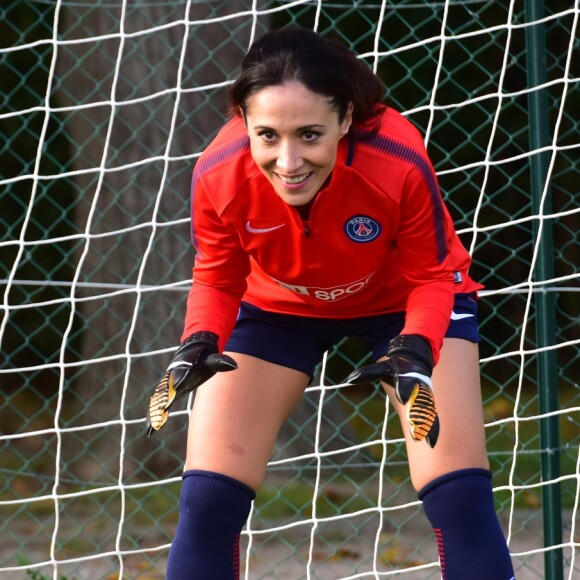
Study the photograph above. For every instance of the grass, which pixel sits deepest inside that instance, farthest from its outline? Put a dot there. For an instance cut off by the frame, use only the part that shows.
(37, 575)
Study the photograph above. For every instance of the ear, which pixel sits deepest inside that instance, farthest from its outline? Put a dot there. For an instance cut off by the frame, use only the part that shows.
(347, 121)
(242, 113)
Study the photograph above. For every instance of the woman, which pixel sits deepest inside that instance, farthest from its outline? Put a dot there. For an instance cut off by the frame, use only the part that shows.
(316, 215)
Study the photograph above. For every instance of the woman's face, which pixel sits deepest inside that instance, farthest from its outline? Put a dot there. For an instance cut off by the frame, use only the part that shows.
(294, 135)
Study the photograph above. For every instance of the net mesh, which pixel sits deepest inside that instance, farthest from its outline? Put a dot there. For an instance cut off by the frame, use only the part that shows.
(105, 109)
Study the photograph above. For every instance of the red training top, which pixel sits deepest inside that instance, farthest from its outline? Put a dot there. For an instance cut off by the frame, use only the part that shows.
(378, 238)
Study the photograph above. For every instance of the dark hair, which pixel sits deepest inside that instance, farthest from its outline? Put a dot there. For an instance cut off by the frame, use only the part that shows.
(321, 65)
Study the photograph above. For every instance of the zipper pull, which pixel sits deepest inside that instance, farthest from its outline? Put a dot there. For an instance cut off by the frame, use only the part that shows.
(306, 230)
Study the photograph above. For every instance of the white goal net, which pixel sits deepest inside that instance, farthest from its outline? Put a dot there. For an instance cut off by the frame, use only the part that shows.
(105, 108)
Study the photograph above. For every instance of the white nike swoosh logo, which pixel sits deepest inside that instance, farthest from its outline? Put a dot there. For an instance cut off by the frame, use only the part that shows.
(252, 230)
(455, 316)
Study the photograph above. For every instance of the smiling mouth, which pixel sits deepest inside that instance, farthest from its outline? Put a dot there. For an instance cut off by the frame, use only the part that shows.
(294, 180)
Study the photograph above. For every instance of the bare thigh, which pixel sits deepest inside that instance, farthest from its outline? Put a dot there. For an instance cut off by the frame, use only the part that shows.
(237, 415)
(457, 389)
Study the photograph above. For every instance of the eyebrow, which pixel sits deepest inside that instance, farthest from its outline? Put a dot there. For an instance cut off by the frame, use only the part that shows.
(303, 128)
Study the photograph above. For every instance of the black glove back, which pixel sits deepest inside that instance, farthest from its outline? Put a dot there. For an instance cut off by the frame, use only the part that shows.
(411, 358)
(408, 369)
(196, 360)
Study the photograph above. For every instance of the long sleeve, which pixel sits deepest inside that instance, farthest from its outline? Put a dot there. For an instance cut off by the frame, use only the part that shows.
(423, 255)
(219, 273)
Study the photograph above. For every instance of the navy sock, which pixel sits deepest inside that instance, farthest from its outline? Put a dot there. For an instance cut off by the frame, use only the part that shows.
(213, 508)
(471, 543)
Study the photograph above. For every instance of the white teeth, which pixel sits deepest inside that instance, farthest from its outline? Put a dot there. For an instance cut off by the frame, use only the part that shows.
(294, 180)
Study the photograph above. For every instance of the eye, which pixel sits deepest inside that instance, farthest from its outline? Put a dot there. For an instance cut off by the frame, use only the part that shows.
(310, 136)
(267, 135)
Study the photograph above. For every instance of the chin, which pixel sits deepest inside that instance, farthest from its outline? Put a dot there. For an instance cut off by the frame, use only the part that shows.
(296, 198)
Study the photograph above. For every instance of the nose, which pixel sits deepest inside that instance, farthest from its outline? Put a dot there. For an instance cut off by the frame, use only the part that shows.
(289, 159)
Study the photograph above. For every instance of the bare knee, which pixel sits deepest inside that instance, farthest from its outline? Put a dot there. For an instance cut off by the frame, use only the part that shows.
(236, 418)
(457, 391)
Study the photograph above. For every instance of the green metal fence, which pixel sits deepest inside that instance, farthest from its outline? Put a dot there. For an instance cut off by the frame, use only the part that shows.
(105, 107)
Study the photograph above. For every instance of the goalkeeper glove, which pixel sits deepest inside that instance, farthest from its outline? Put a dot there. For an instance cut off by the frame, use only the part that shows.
(196, 360)
(408, 369)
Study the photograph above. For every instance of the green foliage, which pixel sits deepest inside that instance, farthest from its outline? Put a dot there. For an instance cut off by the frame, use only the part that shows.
(36, 575)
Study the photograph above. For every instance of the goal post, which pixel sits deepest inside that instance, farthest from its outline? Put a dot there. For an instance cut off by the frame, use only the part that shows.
(106, 107)
(543, 268)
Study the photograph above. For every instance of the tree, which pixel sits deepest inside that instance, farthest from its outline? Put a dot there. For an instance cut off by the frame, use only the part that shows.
(136, 123)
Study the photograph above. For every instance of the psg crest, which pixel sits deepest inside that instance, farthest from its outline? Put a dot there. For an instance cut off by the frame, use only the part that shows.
(362, 229)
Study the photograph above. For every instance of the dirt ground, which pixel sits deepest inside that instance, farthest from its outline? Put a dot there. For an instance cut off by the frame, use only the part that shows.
(288, 559)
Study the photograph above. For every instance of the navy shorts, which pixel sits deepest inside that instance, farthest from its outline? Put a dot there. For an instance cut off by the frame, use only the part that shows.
(299, 342)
